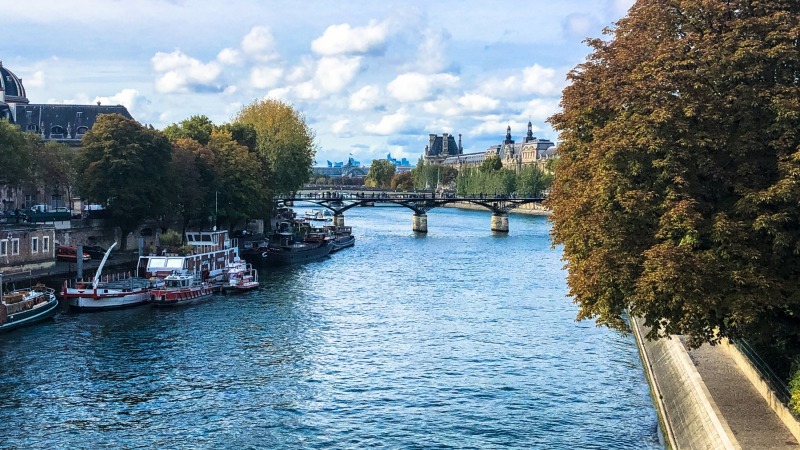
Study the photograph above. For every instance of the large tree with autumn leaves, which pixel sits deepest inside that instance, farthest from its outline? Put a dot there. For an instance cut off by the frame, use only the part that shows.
(677, 196)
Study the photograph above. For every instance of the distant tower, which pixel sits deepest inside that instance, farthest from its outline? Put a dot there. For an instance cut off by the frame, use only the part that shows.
(529, 137)
(508, 136)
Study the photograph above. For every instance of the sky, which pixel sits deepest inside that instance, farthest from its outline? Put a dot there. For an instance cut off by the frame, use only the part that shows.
(371, 77)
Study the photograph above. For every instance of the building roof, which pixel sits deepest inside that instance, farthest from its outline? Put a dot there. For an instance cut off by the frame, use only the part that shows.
(12, 86)
(63, 123)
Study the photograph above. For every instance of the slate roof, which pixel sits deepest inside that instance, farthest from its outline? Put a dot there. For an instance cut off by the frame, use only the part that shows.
(62, 123)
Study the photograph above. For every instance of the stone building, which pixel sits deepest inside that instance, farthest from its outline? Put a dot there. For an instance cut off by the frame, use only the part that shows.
(51, 122)
(26, 247)
(512, 154)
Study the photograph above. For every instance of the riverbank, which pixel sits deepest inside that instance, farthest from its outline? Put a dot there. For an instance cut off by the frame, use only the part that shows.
(707, 398)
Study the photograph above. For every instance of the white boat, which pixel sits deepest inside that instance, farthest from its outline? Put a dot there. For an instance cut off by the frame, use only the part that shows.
(110, 294)
(241, 277)
(26, 306)
(319, 214)
(212, 252)
(181, 289)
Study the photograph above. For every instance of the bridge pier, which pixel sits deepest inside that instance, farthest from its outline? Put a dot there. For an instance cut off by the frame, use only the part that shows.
(500, 222)
(419, 223)
(338, 220)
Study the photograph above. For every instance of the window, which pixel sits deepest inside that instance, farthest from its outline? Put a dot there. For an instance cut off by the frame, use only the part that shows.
(45, 244)
(4, 247)
(14, 247)
(35, 244)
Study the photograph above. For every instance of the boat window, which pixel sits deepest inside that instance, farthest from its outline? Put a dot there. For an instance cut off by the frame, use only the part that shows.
(174, 263)
(157, 262)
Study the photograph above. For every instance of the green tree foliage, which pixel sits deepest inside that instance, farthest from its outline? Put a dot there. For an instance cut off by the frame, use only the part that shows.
(490, 164)
(531, 181)
(197, 128)
(53, 167)
(244, 134)
(381, 172)
(794, 390)
(474, 181)
(15, 155)
(402, 181)
(284, 143)
(192, 175)
(676, 195)
(427, 175)
(125, 165)
(239, 192)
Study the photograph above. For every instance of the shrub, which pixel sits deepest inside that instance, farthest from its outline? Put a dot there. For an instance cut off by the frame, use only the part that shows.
(170, 238)
(794, 391)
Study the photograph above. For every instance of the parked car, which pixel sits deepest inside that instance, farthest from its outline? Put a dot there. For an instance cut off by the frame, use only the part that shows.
(96, 252)
(69, 253)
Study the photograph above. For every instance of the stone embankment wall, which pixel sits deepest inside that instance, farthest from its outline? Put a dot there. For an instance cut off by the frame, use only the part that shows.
(688, 415)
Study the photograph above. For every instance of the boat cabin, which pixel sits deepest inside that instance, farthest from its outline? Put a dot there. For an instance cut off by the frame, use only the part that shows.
(210, 255)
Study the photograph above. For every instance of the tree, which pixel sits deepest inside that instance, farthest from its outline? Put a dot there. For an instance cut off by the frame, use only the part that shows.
(192, 175)
(402, 181)
(284, 143)
(239, 189)
(381, 172)
(491, 163)
(532, 181)
(124, 165)
(676, 194)
(198, 128)
(15, 155)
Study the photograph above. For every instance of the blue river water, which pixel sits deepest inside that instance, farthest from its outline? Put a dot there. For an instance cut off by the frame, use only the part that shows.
(456, 339)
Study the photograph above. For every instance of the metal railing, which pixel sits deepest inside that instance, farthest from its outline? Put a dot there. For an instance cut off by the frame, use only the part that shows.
(778, 385)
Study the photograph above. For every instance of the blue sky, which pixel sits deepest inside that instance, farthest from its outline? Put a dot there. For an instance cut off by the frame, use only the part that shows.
(370, 77)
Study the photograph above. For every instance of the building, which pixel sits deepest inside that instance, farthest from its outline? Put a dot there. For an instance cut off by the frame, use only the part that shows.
(26, 247)
(352, 170)
(60, 123)
(532, 150)
(401, 165)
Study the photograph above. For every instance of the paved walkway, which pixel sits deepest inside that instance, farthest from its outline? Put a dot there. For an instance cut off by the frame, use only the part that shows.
(752, 421)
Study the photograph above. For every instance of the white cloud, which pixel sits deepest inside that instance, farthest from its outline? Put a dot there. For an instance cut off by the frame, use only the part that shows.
(580, 25)
(431, 53)
(334, 73)
(540, 80)
(265, 77)
(180, 72)
(259, 44)
(365, 98)
(411, 87)
(535, 80)
(389, 124)
(34, 81)
(477, 103)
(278, 93)
(343, 39)
(229, 56)
(539, 109)
(306, 91)
(131, 99)
(340, 128)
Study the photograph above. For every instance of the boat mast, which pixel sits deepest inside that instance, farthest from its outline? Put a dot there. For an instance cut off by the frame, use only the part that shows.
(100, 267)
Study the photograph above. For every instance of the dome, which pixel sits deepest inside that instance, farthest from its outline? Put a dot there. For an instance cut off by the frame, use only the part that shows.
(12, 85)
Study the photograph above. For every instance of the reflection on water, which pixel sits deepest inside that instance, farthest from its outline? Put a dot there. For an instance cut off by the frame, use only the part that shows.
(461, 338)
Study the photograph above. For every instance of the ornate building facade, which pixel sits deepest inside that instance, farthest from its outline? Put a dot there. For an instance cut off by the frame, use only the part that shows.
(532, 150)
(51, 122)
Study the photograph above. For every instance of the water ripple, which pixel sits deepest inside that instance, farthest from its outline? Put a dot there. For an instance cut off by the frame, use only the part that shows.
(459, 339)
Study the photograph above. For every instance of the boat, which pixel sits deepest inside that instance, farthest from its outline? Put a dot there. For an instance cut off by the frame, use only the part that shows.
(318, 214)
(285, 247)
(211, 253)
(181, 288)
(241, 277)
(341, 236)
(116, 293)
(26, 306)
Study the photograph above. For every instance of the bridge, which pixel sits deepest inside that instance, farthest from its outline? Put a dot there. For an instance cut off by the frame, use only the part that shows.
(419, 203)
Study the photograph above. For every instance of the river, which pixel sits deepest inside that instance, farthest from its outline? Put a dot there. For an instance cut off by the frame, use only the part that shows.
(456, 339)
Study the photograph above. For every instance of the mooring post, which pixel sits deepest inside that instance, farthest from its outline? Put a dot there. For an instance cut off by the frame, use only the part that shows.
(79, 261)
(500, 222)
(419, 223)
(338, 220)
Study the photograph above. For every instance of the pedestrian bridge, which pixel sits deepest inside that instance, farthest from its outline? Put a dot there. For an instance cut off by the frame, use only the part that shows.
(419, 203)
